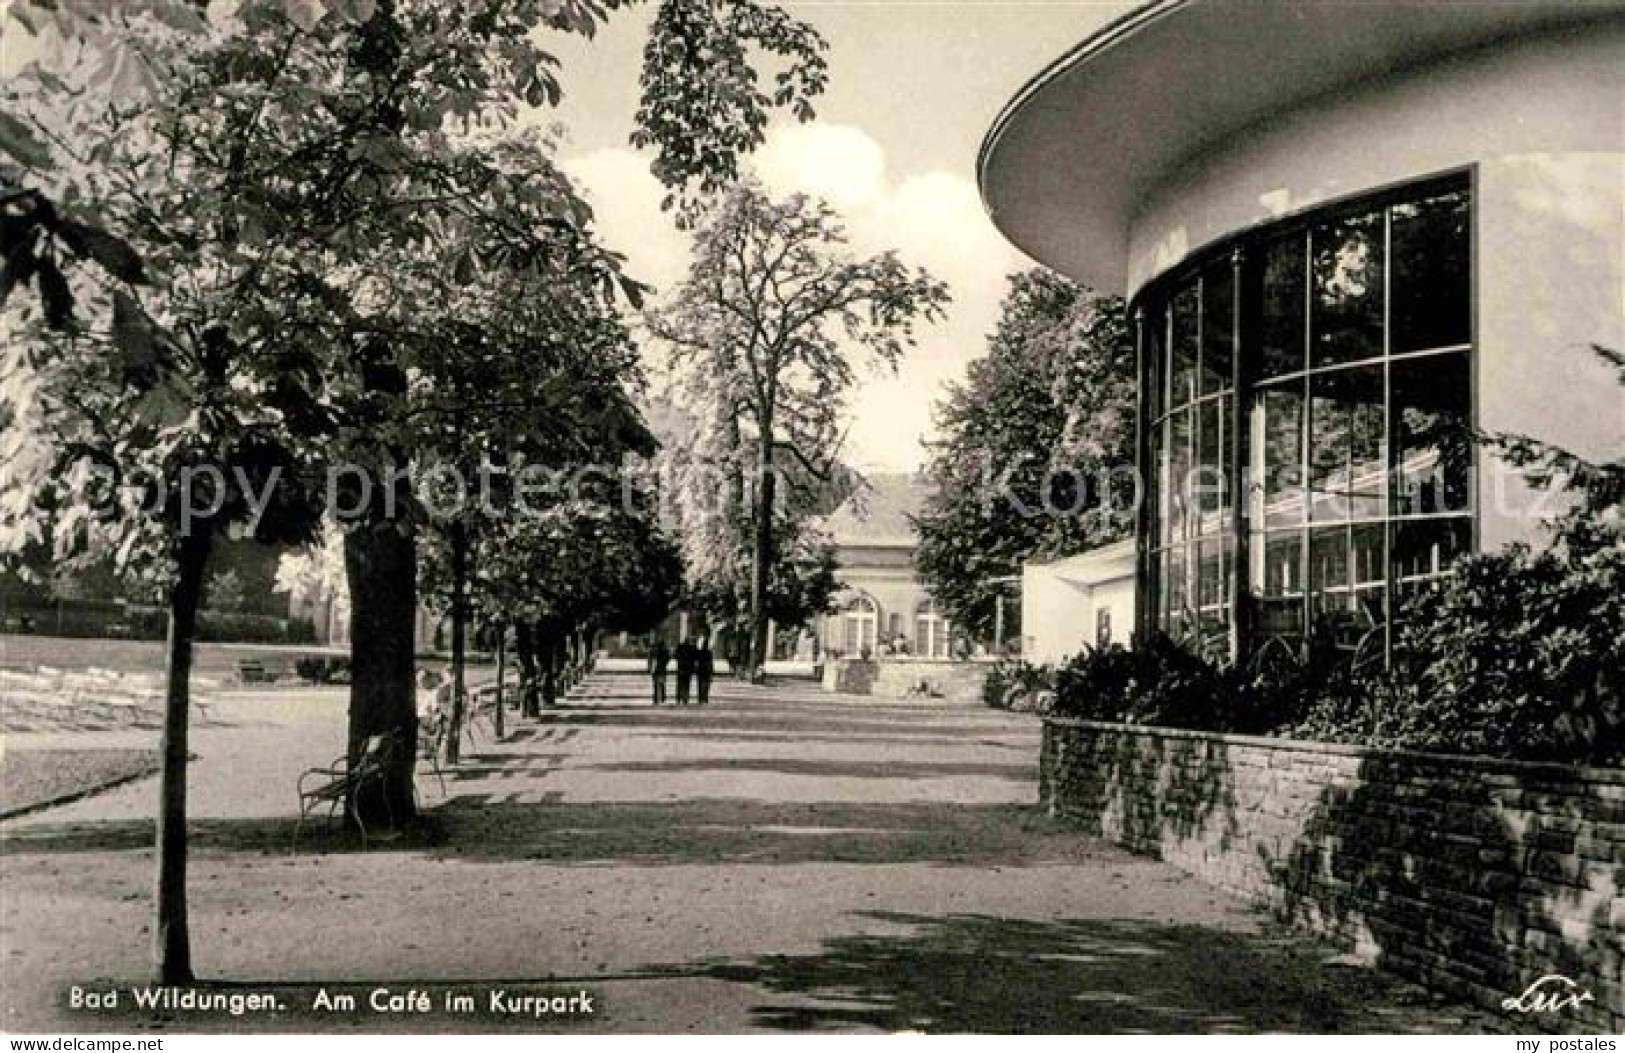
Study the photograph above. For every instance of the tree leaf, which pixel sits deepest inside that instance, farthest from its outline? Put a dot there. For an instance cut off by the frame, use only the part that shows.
(133, 338)
(18, 140)
(356, 12)
(18, 270)
(55, 295)
(634, 292)
(304, 13)
(111, 251)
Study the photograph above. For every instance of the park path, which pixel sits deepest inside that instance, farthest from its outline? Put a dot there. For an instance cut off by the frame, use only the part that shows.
(780, 859)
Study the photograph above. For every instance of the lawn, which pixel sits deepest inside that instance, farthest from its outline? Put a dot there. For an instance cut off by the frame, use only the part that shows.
(211, 661)
(31, 778)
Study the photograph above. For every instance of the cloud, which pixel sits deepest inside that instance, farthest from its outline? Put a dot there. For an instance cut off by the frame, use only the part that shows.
(626, 208)
(836, 162)
(934, 219)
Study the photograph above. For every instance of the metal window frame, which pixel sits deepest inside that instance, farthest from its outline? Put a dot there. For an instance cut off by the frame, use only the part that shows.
(1245, 393)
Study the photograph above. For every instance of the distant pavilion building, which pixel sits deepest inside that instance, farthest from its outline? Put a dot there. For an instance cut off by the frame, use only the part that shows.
(882, 599)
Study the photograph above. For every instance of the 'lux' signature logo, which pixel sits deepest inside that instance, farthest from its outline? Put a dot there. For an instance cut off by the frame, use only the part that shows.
(1550, 994)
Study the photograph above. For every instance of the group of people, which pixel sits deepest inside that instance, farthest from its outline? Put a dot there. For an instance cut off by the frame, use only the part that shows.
(695, 666)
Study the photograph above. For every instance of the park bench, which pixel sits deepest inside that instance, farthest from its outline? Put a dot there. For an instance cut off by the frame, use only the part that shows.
(33, 701)
(253, 671)
(58, 699)
(337, 786)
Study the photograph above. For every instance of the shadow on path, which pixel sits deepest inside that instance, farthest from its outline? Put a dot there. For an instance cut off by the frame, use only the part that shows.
(713, 831)
(826, 769)
(973, 972)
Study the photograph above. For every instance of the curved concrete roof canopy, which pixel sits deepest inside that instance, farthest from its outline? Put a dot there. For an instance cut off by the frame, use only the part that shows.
(1072, 156)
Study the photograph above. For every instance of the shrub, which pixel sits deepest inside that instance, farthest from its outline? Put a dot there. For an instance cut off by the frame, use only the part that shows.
(1015, 684)
(323, 669)
(1517, 654)
(1156, 682)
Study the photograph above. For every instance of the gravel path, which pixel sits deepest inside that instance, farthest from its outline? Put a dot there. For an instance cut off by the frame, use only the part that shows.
(778, 860)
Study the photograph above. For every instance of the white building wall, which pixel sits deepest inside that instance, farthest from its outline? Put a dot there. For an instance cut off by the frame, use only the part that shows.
(1541, 124)
(1061, 604)
(1116, 597)
(1053, 613)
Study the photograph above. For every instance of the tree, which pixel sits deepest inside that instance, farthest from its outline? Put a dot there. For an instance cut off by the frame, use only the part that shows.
(156, 375)
(530, 376)
(1035, 447)
(774, 318)
(564, 571)
(702, 471)
(225, 592)
(259, 167)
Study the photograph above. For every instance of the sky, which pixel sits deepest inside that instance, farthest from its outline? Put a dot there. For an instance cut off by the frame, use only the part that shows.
(914, 86)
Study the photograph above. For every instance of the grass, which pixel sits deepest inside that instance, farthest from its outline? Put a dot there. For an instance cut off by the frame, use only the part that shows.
(34, 778)
(210, 660)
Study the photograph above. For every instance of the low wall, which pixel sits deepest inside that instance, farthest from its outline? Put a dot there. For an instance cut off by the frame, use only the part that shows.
(897, 678)
(1473, 877)
(849, 676)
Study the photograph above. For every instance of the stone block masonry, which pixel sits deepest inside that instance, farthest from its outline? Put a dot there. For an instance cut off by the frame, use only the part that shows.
(894, 679)
(1473, 877)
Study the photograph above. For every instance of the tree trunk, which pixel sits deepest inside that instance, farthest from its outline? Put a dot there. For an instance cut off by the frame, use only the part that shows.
(762, 556)
(459, 640)
(529, 684)
(171, 942)
(502, 674)
(380, 563)
(550, 664)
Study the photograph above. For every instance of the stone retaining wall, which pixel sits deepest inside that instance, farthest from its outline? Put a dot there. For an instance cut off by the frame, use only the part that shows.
(949, 681)
(901, 678)
(849, 676)
(1471, 876)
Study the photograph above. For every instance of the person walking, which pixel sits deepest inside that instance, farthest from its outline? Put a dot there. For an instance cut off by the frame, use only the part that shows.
(685, 670)
(659, 660)
(704, 668)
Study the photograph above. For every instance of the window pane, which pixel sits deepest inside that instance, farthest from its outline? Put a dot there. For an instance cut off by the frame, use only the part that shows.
(1176, 497)
(1431, 417)
(1213, 417)
(1424, 548)
(1432, 273)
(1329, 570)
(1348, 454)
(1281, 332)
(1369, 558)
(1213, 588)
(1280, 456)
(1152, 359)
(1158, 499)
(1176, 595)
(1182, 311)
(1211, 580)
(1218, 328)
(1348, 290)
(1278, 584)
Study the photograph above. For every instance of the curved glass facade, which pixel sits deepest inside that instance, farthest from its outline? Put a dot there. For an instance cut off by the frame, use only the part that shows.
(1306, 403)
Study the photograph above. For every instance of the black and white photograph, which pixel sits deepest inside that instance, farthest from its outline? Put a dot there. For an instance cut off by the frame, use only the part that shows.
(560, 518)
